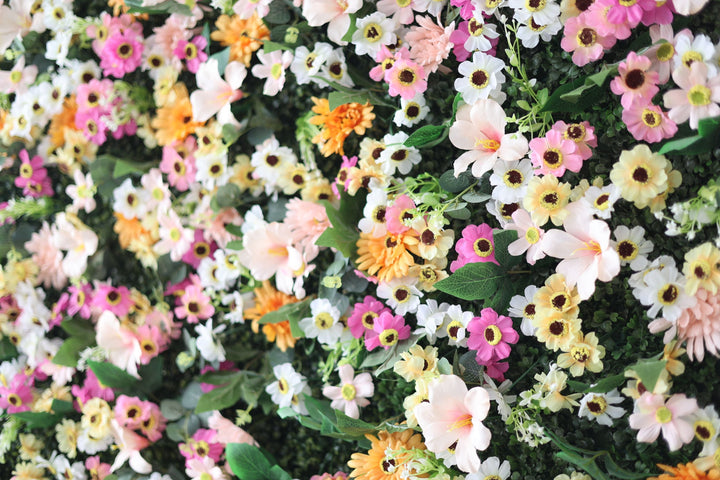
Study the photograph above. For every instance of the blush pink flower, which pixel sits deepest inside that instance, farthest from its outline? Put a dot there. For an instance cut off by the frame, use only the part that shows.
(490, 336)
(352, 393)
(673, 418)
(192, 52)
(214, 95)
(17, 395)
(406, 78)
(33, 177)
(178, 162)
(194, 305)
(480, 129)
(597, 17)
(629, 13)
(18, 79)
(268, 251)
(648, 123)
(336, 14)
(697, 97)
(129, 445)
(530, 237)
(585, 249)
(584, 41)
(453, 415)
(47, 257)
(307, 221)
(122, 347)
(429, 43)
(397, 213)
(476, 245)
(635, 82)
(272, 68)
(121, 54)
(553, 155)
(582, 134)
(227, 431)
(388, 329)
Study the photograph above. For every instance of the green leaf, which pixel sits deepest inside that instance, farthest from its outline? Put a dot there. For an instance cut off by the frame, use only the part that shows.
(218, 378)
(450, 183)
(277, 473)
(353, 28)
(234, 245)
(278, 13)
(692, 145)
(649, 372)
(230, 133)
(128, 167)
(234, 229)
(38, 419)
(709, 127)
(427, 136)
(501, 240)
(223, 58)
(343, 234)
(576, 96)
(114, 377)
(353, 426)
(460, 214)
(69, 352)
(270, 46)
(455, 106)
(607, 384)
(339, 240)
(501, 300)
(151, 375)
(285, 312)
(78, 327)
(61, 407)
(228, 196)
(168, 7)
(222, 397)
(169, 271)
(616, 471)
(102, 174)
(247, 462)
(335, 99)
(7, 349)
(474, 281)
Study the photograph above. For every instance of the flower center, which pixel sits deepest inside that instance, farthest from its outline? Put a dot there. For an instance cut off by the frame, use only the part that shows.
(483, 247)
(532, 235)
(513, 178)
(575, 132)
(324, 320)
(190, 51)
(201, 250)
(663, 415)
(627, 250)
(407, 76)
(701, 270)
(15, 76)
(479, 79)
(474, 27)
(372, 32)
(368, 319)
(401, 294)
(553, 158)
(489, 145)
(453, 328)
(558, 328)
(388, 337)
(699, 95)
(668, 294)
(463, 421)
(580, 353)
(283, 386)
(493, 335)
(14, 400)
(586, 37)
(691, 56)
(560, 301)
(125, 50)
(113, 298)
(276, 70)
(348, 392)
(26, 170)
(650, 118)
(665, 52)
(535, 5)
(635, 79)
(704, 430)
(640, 174)
(597, 405)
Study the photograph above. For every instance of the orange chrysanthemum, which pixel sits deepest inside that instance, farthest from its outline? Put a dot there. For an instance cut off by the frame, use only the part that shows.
(386, 256)
(339, 123)
(242, 36)
(130, 230)
(174, 121)
(686, 472)
(63, 121)
(385, 459)
(268, 299)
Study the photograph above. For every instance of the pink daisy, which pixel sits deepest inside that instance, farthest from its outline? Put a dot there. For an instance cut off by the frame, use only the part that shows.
(352, 393)
(80, 300)
(129, 412)
(199, 249)
(398, 213)
(388, 329)
(673, 418)
(467, 7)
(92, 388)
(582, 134)
(406, 78)
(201, 445)
(583, 40)
(491, 336)
(596, 17)
(660, 14)
(155, 423)
(33, 178)
(362, 318)
(114, 299)
(272, 68)
(121, 54)
(629, 13)
(92, 125)
(476, 245)
(192, 52)
(178, 163)
(194, 305)
(17, 395)
(648, 123)
(553, 154)
(635, 82)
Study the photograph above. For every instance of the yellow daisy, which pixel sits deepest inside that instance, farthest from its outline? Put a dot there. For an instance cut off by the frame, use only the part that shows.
(702, 269)
(640, 175)
(546, 198)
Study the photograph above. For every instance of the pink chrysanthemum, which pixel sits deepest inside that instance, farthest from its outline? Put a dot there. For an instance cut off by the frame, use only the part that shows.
(388, 329)
(33, 178)
(429, 43)
(491, 336)
(635, 82)
(476, 245)
(648, 123)
(553, 154)
(307, 221)
(362, 319)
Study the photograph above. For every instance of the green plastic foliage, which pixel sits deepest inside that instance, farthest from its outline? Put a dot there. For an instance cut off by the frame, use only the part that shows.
(292, 312)
(579, 95)
(249, 462)
(706, 140)
(343, 234)
(45, 420)
(165, 8)
(245, 385)
(649, 372)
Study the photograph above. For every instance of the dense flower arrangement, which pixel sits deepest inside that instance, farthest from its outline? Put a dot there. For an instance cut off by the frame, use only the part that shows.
(469, 239)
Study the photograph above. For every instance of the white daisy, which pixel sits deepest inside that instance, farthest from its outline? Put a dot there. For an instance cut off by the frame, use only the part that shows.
(289, 384)
(324, 322)
(491, 468)
(481, 78)
(523, 306)
(401, 294)
(411, 111)
(510, 180)
(397, 156)
(454, 326)
(632, 247)
(208, 344)
(602, 200)
(129, 201)
(601, 407)
(373, 31)
(307, 63)
(664, 289)
(429, 317)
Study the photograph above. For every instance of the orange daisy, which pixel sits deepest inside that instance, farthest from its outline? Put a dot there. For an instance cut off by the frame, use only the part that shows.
(63, 121)
(382, 462)
(242, 36)
(686, 472)
(268, 299)
(174, 121)
(130, 230)
(339, 123)
(386, 256)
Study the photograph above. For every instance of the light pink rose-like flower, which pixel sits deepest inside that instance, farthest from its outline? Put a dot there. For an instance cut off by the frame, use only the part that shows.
(480, 129)
(697, 97)
(227, 431)
(454, 415)
(585, 249)
(336, 14)
(352, 393)
(673, 418)
(429, 43)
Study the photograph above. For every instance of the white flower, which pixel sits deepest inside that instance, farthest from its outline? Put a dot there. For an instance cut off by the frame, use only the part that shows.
(82, 192)
(455, 325)
(632, 247)
(373, 31)
(401, 294)
(601, 407)
(429, 317)
(510, 180)
(210, 347)
(396, 156)
(335, 69)
(602, 200)
(129, 201)
(522, 306)
(214, 95)
(212, 169)
(411, 111)
(324, 322)
(289, 384)
(664, 289)
(491, 468)
(481, 78)
(306, 64)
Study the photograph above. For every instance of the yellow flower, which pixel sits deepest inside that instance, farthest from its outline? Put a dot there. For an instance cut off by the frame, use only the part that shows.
(583, 353)
(702, 269)
(96, 417)
(546, 198)
(30, 446)
(551, 385)
(640, 175)
(339, 123)
(174, 121)
(417, 363)
(556, 297)
(555, 330)
(66, 434)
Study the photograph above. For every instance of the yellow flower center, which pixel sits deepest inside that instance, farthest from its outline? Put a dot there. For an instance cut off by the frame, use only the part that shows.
(15, 76)
(704, 430)
(492, 334)
(276, 70)
(489, 145)
(463, 421)
(26, 170)
(283, 386)
(483, 247)
(190, 51)
(125, 50)
(348, 392)
(324, 320)
(550, 200)
(691, 56)
(532, 235)
(535, 5)
(665, 52)
(479, 79)
(597, 405)
(663, 415)
(627, 250)
(699, 95)
(388, 337)
(513, 178)
(650, 118)
(580, 353)
(372, 32)
(553, 158)
(368, 319)
(668, 294)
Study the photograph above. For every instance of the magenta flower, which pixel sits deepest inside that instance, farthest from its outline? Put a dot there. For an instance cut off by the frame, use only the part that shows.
(467, 7)
(476, 245)
(491, 336)
(92, 388)
(33, 178)
(648, 123)
(115, 299)
(673, 418)
(636, 82)
(208, 446)
(192, 52)
(388, 329)
(399, 212)
(194, 305)
(80, 300)
(92, 125)
(199, 250)
(17, 396)
(121, 54)
(553, 154)
(629, 13)
(362, 319)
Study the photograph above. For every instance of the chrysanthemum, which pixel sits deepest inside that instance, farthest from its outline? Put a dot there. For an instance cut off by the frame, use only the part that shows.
(242, 36)
(640, 175)
(688, 471)
(386, 256)
(339, 123)
(267, 300)
(174, 121)
(387, 458)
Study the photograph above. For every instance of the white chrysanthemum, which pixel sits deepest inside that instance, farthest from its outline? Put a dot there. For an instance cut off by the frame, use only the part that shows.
(411, 111)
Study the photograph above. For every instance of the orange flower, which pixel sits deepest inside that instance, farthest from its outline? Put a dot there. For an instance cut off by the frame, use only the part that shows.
(174, 121)
(242, 36)
(339, 123)
(687, 472)
(130, 230)
(386, 457)
(268, 299)
(63, 121)
(386, 256)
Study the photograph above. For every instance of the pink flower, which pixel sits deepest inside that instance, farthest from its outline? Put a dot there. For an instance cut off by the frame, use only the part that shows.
(47, 257)
(152, 342)
(203, 444)
(647, 122)
(268, 251)
(307, 221)
(174, 238)
(636, 82)
(92, 388)
(129, 445)
(476, 245)
(227, 431)
(155, 424)
(17, 395)
(18, 79)
(629, 13)
(597, 18)
(214, 95)
(429, 43)
(406, 78)
(272, 69)
(80, 300)
(194, 305)
(178, 163)
(387, 331)
(192, 52)
(581, 133)
(480, 129)
(362, 319)
(92, 125)
(530, 237)
(453, 416)
(467, 7)
(401, 12)
(584, 41)
(673, 418)
(397, 213)
(121, 54)
(129, 412)
(33, 178)
(97, 469)
(491, 336)
(247, 8)
(585, 249)
(337, 14)
(122, 347)
(352, 393)
(114, 299)
(660, 14)
(661, 53)
(204, 469)
(697, 97)
(199, 249)
(553, 154)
